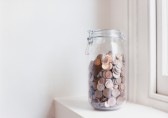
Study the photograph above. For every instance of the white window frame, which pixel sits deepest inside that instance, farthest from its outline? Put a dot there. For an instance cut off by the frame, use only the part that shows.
(162, 78)
(142, 55)
(153, 39)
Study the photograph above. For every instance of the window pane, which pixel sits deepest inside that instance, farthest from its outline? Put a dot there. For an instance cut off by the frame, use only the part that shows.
(162, 47)
(164, 37)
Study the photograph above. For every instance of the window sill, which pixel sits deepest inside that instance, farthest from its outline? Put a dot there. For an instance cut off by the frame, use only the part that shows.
(78, 107)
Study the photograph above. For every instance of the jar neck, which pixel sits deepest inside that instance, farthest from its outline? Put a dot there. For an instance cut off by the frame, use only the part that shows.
(109, 33)
(103, 33)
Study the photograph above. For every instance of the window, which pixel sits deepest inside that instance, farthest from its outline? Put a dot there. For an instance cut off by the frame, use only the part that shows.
(162, 46)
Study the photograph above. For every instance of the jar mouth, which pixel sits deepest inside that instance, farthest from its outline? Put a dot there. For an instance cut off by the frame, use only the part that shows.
(110, 33)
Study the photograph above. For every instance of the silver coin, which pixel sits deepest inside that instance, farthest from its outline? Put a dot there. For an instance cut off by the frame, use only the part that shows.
(112, 101)
(118, 80)
(115, 92)
(123, 79)
(106, 104)
(116, 75)
(122, 87)
(115, 86)
(109, 83)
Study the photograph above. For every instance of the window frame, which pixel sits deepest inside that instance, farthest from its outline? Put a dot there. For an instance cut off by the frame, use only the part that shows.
(153, 53)
(162, 78)
(142, 49)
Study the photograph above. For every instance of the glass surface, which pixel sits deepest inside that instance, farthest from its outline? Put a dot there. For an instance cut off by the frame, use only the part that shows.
(165, 37)
(107, 78)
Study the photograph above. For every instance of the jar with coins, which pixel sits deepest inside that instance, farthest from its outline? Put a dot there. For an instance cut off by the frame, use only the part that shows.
(107, 69)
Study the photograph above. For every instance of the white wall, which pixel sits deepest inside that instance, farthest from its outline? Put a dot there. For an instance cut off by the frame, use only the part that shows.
(42, 44)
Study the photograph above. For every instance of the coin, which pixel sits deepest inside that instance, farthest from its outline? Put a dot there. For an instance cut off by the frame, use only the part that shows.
(119, 57)
(105, 60)
(106, 104)
(110, 66)
(115, 92)
(107, 80)
(100, 87)
(115, 86)
(107, 92)
(109, 58)
(98, 94)
(122, 73)
(122, 87)
(100, 74)
(120, 100)
(108, 74)
(99, 56)
(97, 62)
(105, 66)
(116, 75)
(112, 101)
(109, 83)
(101, 81)
(119, 65)
(94, 85)
(118, 80)
(122, 94)
(123, 79)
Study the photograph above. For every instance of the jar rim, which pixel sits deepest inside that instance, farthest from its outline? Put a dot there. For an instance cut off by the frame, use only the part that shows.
(111, 33)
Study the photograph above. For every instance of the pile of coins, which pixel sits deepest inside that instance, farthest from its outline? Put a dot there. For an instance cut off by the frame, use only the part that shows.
(107, 81)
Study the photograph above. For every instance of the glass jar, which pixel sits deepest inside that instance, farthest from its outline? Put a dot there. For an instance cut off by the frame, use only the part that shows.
(107, 78)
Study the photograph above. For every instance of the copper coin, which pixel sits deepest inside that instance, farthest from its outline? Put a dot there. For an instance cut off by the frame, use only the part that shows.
(110, 66)
(100, 74)
(99, 56)
(98, 94)
(108, 74)
(112, 101)
(105, 66)
(105, 60)
(97, 62)
(102, 81)
(107, 92)
(100, 87)
(110, 59)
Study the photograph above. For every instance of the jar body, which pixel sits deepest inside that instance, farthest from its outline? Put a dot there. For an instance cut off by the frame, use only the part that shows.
(107, 70)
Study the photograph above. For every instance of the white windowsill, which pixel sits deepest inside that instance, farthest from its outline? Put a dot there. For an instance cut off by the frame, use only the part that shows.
(78, 107)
